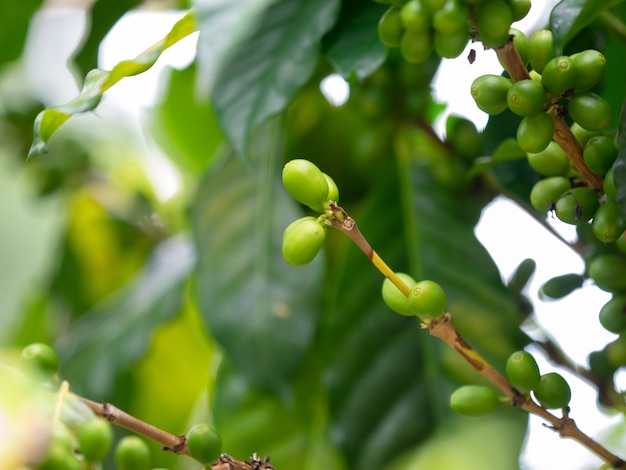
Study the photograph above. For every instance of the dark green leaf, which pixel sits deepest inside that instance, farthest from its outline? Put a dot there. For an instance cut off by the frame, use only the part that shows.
(184, 126)
(271, 66)
(98, 81)
(110, 339)
(619, 167)
(353, 46)
(569, 17)
(15, 17)
(102, 15)
(260, 309)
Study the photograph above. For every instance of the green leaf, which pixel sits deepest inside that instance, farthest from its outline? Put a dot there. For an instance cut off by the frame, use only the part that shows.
(353, 47)
(619, 167)
(185, 127)
(569, 17)
(98, 81)
(270, 66)
(223, 26)
(102, 15)
(260, 309)
(14, 21)
(110, 339)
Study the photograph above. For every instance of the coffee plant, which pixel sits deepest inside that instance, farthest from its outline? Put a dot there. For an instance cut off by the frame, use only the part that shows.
(313, 296)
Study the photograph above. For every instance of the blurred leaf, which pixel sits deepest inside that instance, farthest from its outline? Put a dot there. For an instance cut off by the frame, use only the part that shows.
(619, 167)
(270, 66)
(98, 81)
(185, 127)
(569, 17)
(27, 256)
(15, 18)
(353, 46)
(261, 310)
(223, 25)
(110, 339)
(102, 15)
(491, 443)
(293, 433)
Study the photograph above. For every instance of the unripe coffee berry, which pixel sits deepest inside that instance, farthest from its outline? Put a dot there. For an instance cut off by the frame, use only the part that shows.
(333, 194)
(608, 224)
(525, 97)
(553, 391)
(577, 205)
(204, 443)
(599, 154)
(559, 75)
(305, 182)
(590, 65)
(427, 299)
(608, 272)
(490, 93)
(395, 299)
(43, 357)
(132, 453)
(390, 27)
(95, 438)
(522, 371)
(493, 18)
(590, 111)
(546, 191)
(534, 133)
(540, 49)
(552, 161)
(474, 400)
(613, 314)
(302, 240)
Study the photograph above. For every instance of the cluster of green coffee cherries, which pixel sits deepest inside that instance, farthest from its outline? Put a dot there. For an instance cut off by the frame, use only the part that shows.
(80, 440)
(550, 390)
(419, 27)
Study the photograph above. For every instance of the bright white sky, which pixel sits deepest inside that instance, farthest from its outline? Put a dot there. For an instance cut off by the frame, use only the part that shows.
(509, 234)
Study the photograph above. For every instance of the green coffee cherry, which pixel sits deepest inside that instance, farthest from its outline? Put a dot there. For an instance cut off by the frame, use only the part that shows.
(522, 275)
(42, 357)
(559, 75)
(333, 194)
(609, 187)
(494, 18)
(414, 16)
(577, 205)
(600, 365)
(302, 240)
(599, 154)
(462, 134)
(519, 8)
(608, 224)
(561, 286)
(534, 133)
(613, 314)
(474, 400)
(416, 46)
(204, 444)
(616, 352)
(95, 438)
(453, 18)
(526, 97)
(590, 65)
(390, 27)
(540, 49)
(490, 93)
(427, 299)
(132, 453)
(590, 111)
(395, 299)
(552, 391)
(305, 182)
(546, 192)
(450, 45)
(608, 272)
(522, 371)
(552, 161)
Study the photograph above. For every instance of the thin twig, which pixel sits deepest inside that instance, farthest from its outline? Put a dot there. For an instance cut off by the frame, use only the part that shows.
(170, 442)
